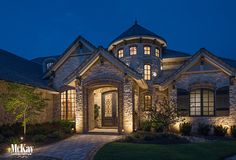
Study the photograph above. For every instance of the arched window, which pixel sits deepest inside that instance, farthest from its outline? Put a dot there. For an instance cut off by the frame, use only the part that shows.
(68, 102)
(133, 50)
(120, 53)
(202, 102)
(147, 50)
(147, 72)
(49, 65)
(147, 102)
(157, 52)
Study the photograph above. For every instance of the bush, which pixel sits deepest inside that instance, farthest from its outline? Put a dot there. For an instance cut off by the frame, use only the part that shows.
(39, 138)
(56, 135)
(146, 126)
(14, 140)
(220, 131)
(233, 131)
(185, 128)
(204, 129)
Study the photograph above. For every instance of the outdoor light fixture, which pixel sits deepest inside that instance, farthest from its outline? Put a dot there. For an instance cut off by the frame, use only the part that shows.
(154, 74)
(22, 138)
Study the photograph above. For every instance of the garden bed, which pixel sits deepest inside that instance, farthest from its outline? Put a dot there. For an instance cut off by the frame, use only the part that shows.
(37, 134)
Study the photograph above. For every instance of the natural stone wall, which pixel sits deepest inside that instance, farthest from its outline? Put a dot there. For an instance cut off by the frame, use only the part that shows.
(219, 79)
(128, 106)
(79, 111)
(67, 68)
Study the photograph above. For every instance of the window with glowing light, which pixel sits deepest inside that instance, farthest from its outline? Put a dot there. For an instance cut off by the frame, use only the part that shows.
(147, 72)
(49, 65)
(121, 53)
(133, 50)
(147, 50)
(68, 103)
(157, 52)
(202, 102)
(147, 102)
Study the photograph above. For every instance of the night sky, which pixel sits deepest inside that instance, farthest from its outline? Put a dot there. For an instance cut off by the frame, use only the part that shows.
(32, 28)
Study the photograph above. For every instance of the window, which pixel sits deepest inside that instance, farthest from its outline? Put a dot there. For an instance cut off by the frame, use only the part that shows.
(147, 102)
(147, 50)
(49, 65)
(120, 53)
(133, 50)
(157, 52)
(68, 102)
(147, 72)
(202, 102)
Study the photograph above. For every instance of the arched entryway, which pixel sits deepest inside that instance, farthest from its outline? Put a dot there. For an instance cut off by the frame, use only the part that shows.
(103, 100)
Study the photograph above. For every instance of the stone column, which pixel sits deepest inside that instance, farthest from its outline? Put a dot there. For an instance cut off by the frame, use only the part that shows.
(128, 109)
(79, 112)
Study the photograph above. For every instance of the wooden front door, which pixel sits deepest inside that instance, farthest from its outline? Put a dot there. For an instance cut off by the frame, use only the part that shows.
(109, 109)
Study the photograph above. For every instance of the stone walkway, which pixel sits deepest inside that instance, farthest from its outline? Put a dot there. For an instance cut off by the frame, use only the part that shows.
(77, 147)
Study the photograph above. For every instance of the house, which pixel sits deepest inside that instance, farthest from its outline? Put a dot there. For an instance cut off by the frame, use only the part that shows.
(115, 87)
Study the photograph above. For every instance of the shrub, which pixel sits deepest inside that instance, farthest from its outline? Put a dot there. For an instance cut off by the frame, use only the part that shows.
(146, 126)
(220, 130)
(185, 128)
(56, 135)
(39, 138)
(164, 115)
(2, 139)
(233, 131)
(14, 140)
(204, 129)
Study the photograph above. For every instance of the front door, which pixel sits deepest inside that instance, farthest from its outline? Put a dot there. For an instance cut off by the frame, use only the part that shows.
(109, 109)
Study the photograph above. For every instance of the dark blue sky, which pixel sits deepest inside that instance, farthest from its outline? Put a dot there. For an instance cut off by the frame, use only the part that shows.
(46, 27)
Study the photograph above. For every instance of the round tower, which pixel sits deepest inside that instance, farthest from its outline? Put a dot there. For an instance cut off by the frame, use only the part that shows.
(140, 49)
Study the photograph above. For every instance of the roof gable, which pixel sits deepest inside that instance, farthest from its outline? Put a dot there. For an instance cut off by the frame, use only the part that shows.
(101, 53)
(212, 61)
(69, 51)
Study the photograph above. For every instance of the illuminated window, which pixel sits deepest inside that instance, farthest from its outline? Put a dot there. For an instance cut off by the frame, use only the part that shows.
(202, 102)
(147, 50)
(120, 53)
(157, 52)
(68, 103)
(133, 50)
(49, 65)
(147, 102)
(147, 72)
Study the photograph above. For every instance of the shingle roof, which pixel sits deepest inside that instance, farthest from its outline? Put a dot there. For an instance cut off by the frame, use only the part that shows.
(168, 53)
(230, 62)
(40, 60)
(136, 30)
(19, 70)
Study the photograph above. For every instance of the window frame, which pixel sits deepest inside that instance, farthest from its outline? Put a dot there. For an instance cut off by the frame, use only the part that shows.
(149, 70)
(145, 104)
(118, 53)
(147, 50)
(159, 54)
(201, 103)
(65, 114)
(136, 49)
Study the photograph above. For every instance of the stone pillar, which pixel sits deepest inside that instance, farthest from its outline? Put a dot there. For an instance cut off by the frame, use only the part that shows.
(79, 112)
(128, 109)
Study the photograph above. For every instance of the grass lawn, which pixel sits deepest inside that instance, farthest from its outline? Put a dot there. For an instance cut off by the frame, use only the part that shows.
(196, 151)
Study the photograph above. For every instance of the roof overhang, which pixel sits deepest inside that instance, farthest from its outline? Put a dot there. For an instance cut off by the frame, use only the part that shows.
(113, 44)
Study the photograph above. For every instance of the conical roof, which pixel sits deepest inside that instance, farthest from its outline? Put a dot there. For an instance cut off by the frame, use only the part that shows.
(137, 30)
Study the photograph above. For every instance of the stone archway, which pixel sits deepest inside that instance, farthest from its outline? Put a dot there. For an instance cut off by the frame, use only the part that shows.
(86, 93)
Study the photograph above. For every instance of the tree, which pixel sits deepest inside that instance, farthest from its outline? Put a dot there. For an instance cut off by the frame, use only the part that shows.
(164, 115)
(24, 102)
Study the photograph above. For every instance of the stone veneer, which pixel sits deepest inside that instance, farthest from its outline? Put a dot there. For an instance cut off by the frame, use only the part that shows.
(128, 109)
(219, 79)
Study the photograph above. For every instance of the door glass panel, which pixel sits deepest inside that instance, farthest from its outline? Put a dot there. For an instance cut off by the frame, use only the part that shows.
(108, 105)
